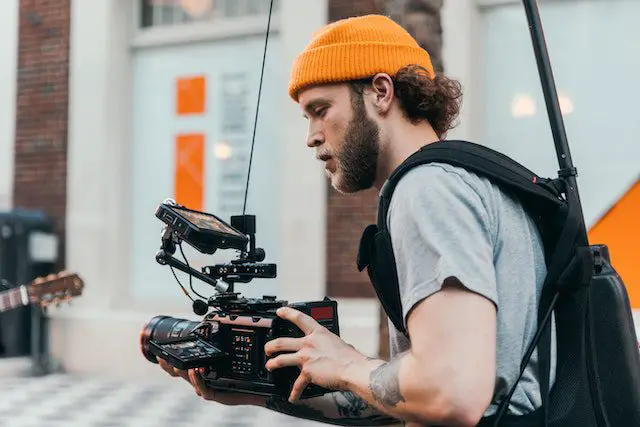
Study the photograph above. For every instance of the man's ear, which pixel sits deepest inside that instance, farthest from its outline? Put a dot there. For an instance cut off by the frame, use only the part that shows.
(382, 93)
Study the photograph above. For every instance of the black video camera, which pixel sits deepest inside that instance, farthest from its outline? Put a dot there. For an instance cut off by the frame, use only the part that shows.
(228, 343)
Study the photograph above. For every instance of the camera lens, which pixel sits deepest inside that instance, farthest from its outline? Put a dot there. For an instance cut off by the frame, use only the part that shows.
(160, 328)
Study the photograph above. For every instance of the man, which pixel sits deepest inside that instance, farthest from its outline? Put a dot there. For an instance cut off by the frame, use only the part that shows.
(469, 260)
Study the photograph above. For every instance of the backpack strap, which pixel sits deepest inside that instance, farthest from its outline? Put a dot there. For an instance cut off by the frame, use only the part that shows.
(376, 253)
(478, 159)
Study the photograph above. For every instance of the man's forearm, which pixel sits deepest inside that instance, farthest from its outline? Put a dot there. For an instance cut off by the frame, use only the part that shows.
(381, 386)
(338, 408)
(405, 389)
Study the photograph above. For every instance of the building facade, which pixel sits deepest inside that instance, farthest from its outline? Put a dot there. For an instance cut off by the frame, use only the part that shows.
(111, 106)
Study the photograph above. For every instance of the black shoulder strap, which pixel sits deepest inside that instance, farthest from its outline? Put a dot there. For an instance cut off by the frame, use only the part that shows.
(478, 159)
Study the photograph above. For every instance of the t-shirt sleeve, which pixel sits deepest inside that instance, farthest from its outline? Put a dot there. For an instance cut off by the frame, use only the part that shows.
(440, 228)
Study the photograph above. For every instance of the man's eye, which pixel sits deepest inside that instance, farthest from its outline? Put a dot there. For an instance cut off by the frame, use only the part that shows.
(321, 111)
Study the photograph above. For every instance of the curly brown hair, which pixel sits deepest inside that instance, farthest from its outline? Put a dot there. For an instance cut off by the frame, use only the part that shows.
(421, 97)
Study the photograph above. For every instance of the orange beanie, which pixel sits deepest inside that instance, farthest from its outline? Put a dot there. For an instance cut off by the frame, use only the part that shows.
(356, 48)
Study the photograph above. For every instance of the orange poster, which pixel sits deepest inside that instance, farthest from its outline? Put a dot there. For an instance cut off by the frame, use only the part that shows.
(191, 95)
(189, 172)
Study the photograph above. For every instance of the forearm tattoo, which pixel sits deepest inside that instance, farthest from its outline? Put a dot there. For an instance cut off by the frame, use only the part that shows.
(349, 405)
(338, 408)
(385, 385)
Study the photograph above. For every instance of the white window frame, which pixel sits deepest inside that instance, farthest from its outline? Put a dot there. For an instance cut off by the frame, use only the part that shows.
(103, 36)
(462, 29)
(164, 35)
(462, 57)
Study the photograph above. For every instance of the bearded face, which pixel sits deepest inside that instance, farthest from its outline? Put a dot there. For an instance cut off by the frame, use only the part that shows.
(345, 137)
(358, 156)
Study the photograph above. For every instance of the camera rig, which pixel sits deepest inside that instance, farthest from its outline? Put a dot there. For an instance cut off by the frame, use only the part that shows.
(207, 233)
(228, 343)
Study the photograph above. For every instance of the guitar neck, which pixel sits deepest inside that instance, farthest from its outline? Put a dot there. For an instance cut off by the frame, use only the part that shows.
(14, 298)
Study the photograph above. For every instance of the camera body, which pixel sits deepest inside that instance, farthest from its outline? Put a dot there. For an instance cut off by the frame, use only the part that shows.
(227, 345)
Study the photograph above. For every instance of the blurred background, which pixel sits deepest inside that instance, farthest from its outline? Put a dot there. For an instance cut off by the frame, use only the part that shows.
(107, 107)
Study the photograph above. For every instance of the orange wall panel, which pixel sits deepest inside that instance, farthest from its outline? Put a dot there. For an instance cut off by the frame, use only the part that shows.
(619, 229)
(191, 95)
(189, 170)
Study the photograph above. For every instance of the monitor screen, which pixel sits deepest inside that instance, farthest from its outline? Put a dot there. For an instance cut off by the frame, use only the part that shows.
(208, 222)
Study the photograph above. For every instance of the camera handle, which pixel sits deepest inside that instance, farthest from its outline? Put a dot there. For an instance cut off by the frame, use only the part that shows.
(199, 306)
(165, 258)
(246, 224)
(229, 274)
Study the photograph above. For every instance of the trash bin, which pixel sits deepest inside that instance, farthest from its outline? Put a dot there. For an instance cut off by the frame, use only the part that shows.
(28, 249)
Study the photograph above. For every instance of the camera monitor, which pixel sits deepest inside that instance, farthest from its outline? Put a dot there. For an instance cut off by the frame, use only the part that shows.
(205, 232)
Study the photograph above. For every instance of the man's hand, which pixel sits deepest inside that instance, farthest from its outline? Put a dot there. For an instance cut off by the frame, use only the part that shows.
(321, 356)
(194, 377)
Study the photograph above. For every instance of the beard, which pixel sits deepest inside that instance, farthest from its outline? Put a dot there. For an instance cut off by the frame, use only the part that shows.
(358, 159)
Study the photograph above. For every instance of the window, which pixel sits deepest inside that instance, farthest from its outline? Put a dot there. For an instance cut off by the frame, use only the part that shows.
(193, 116)
(590, 45)
(156, 13)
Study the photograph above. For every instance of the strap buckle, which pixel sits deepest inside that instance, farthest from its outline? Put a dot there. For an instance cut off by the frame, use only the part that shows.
(567, 172)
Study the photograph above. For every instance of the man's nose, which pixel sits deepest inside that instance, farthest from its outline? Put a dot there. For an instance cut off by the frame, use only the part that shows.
(314, 139)
(313, 142)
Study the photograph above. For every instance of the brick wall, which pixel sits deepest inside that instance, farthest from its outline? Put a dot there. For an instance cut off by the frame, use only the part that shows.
(348, 215)
(339, 9)
(41, 118)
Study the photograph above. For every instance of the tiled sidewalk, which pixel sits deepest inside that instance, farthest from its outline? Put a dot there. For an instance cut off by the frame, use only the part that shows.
(66, 401)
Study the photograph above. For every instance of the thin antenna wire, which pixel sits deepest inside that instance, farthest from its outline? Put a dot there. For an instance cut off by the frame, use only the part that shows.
(253, 139)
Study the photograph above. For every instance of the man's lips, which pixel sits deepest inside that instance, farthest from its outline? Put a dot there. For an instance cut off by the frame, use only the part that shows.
(329, 163)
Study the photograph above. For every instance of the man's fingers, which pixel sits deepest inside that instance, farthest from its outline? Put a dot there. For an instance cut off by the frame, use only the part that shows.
(183, 374)
(298, 388)
(221, 397)
(167, 367)
(280, 345)
(282, 361)
(195, 379)
(174, 372)
(198, 384)
(307, 324)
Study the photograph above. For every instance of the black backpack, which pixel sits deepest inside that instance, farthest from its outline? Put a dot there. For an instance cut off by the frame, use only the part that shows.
(598, 362)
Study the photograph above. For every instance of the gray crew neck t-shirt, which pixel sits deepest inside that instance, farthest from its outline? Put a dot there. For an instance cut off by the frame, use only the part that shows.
(445, 221)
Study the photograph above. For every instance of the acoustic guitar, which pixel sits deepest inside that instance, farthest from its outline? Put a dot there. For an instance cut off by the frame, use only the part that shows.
(44, 291)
